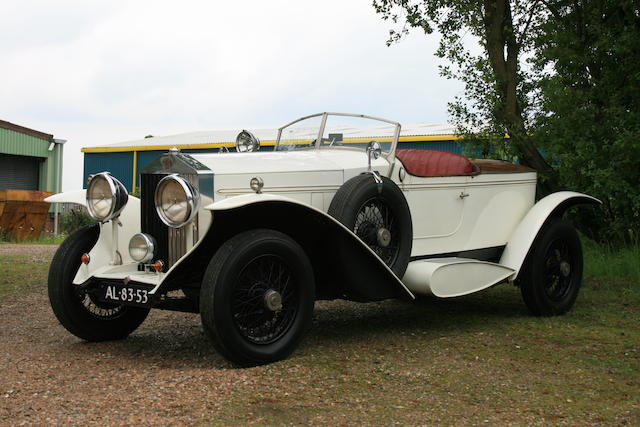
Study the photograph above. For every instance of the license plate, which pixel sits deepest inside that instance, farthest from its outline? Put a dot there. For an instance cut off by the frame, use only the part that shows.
(126, 294)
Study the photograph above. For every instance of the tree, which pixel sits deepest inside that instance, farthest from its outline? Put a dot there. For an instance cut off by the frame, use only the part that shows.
(561, 77)
(588, 118)
(496, 100)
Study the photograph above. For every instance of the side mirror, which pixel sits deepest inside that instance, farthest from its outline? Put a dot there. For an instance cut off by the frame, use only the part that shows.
(373, 150)
(246, 142)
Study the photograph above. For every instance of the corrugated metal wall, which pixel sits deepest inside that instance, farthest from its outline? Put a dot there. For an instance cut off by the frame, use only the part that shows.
(19, 172)
(450, 146)
(19, 144)
(12, 142)
(119, 164)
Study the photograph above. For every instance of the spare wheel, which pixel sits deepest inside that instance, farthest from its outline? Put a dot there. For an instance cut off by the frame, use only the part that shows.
(380, 218)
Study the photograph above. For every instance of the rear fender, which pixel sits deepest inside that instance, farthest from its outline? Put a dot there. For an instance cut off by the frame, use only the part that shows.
(552, 206)
(361, 277)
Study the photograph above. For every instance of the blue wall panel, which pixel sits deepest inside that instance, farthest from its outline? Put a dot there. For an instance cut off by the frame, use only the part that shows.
(450, 146)
(119, 164)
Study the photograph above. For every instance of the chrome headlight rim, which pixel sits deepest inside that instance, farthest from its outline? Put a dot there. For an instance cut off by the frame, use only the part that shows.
(118, 196)
(192, 199)
(148, 242)
(246, 142)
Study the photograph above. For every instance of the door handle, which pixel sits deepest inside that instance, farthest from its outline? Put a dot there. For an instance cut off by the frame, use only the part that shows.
(463, 195)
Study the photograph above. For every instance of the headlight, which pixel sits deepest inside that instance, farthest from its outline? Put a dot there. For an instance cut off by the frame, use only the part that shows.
(176, 201)
(106, 197)
(247, 142)
(141, 247)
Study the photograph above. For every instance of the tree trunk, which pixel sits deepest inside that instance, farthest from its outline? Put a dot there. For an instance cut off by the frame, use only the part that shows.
(501, 39)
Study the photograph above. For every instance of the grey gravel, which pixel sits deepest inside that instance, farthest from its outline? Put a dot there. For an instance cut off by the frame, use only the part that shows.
(164, 373)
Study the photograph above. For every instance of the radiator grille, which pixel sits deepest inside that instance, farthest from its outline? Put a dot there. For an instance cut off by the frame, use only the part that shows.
(171, 242)
(150, 222)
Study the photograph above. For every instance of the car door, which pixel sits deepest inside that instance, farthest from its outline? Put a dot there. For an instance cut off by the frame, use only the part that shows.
(437, 211)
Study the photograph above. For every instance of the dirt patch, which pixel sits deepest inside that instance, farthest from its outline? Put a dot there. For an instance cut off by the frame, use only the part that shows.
(469, 361)
(30, 253)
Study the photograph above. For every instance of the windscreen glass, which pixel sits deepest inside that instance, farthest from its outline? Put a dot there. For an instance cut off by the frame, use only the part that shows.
(300, 135)
(356, 132)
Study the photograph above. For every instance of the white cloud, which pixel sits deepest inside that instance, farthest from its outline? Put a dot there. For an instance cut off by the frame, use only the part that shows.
(105, 71)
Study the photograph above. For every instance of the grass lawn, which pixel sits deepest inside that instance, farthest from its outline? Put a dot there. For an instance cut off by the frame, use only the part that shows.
(480, 359)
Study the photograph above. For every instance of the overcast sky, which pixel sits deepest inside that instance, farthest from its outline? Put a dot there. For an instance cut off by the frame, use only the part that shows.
(98, 72)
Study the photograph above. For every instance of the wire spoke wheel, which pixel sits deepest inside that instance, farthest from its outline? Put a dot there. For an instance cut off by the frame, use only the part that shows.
(551, 276)
(257, 297)
(376, 225)
(378, 216)
(265, 301)
(557, 262)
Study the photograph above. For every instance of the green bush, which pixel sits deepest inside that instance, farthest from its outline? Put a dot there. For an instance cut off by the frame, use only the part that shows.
(74, 219)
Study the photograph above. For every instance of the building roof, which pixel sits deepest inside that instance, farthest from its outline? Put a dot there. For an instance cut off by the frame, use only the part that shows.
(218, 138)
(26, 131)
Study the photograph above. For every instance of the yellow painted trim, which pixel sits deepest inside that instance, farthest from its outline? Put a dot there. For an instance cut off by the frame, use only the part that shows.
(135, 169)
(164, 147)
(362, 140)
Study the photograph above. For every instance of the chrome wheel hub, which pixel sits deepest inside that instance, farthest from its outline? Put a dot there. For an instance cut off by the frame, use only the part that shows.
(384, 237)
(272, 300)
(565, 268)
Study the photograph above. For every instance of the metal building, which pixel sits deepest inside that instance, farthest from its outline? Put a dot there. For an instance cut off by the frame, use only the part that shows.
(126, 159)
(29, 159)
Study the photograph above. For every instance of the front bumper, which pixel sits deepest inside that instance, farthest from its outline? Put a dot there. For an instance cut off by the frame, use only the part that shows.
(122, 273)
(109, 292)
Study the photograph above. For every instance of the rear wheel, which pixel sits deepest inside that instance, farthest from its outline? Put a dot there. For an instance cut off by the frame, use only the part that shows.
(76, 310)
(552, 274)
(257, 297)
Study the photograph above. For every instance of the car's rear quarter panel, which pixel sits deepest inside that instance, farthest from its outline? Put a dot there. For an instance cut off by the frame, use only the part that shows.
(461, 213)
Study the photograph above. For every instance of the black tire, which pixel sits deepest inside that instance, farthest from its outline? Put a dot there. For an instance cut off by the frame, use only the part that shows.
(552, 273)
(360, 207)
(234, 306)
(75, 310)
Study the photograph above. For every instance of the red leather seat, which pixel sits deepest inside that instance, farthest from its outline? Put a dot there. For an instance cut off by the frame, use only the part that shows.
(435, 163)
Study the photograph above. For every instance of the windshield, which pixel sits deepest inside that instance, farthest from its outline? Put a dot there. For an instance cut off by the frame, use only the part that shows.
(299, 135)
(339, 130)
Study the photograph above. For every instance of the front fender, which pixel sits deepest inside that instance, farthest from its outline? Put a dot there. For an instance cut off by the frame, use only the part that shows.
(102, 252)
(77, 196)
(520, 242)
(361, 277)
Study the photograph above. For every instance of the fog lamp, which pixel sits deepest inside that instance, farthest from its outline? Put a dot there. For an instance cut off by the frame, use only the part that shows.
(141, 247)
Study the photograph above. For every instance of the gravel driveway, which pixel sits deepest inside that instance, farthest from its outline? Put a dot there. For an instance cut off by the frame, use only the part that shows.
(165, 373)
(477, 360)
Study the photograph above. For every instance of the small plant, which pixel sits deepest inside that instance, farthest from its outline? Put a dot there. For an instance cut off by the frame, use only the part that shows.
(6, 236)
(74, 219)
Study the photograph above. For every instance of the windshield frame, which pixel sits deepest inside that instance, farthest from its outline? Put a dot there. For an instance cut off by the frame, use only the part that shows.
(389, 155)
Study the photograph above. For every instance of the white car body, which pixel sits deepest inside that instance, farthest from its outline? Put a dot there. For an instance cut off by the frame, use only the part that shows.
(470, 231)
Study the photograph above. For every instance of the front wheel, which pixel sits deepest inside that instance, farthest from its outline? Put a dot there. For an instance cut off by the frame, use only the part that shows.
(76, 310)
(257, 297)
(552, 274)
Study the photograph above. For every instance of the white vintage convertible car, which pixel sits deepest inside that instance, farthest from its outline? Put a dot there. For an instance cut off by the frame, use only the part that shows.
(251, 240)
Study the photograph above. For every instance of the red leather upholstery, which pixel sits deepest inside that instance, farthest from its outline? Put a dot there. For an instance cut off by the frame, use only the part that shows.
(434, 163)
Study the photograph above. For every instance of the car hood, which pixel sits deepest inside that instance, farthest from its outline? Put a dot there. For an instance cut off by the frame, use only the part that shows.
(285, 161)
(287, 172)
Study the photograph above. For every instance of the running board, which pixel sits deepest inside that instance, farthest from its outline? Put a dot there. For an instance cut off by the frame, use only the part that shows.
(453, 277)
